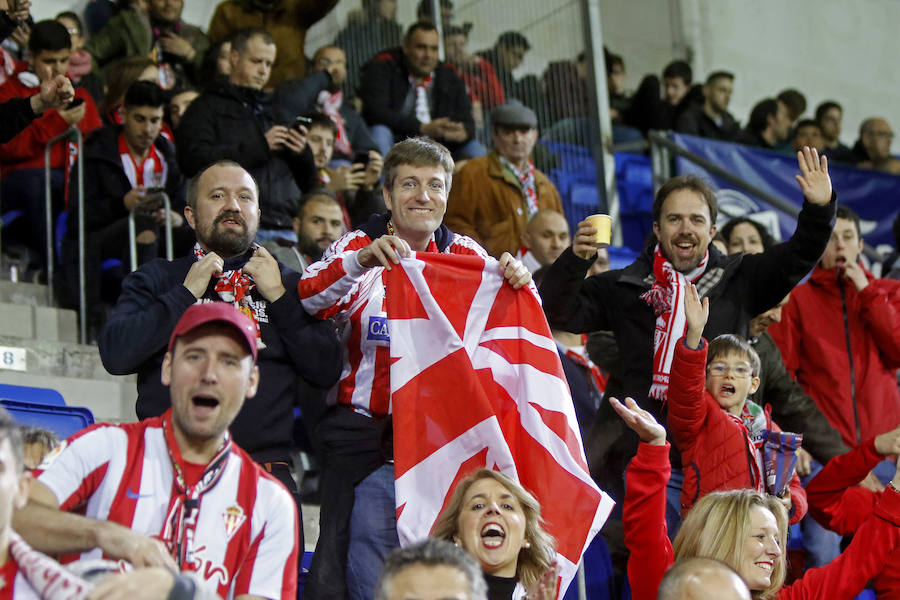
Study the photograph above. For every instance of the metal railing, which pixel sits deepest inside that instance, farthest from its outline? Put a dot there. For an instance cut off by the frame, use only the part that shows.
(132, 232)
(73, 133)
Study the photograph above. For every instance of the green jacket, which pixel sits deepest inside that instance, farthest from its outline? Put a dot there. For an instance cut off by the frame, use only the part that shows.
(130, 34)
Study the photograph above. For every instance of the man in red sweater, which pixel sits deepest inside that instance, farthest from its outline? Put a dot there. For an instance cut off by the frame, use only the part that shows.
(22, 158)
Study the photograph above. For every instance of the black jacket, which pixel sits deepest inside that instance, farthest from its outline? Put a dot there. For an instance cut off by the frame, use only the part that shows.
(298, 96)
(385, 85)
(694, 121)
(739, 287)
(154, 298)
(230, 122)
(15, 115)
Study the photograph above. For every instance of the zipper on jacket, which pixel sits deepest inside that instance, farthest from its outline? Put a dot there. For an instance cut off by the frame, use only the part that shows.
(840, 282)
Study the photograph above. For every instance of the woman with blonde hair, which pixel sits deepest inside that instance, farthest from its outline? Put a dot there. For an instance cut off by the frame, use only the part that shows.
(745, 529)
(499, 522)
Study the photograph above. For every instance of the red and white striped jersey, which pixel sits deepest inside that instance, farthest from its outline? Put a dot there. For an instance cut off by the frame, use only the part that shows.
(245, 537)
(14, 585)
(339, 287)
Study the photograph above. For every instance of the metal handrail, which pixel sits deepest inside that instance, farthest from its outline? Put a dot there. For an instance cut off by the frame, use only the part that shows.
(132, 233)
(71, 133)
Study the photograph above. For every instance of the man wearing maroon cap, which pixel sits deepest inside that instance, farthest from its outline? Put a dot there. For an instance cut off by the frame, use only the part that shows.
(175, 491)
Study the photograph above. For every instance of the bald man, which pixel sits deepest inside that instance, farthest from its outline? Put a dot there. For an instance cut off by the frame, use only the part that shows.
(545, 237)
(702, 579)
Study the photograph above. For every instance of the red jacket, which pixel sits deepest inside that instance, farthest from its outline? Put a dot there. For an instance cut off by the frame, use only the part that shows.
(836, 500)
(651, 554)
(26, 150)
(813, 338)
(716, 449)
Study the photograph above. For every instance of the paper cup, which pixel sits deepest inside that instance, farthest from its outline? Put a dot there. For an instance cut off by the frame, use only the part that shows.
(603, 225)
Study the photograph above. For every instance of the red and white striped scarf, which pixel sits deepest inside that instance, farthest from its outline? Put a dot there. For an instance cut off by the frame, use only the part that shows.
(48, 578)
(234, 286)
(330, 104)
(151, 172)
(526, 184)
(666, 297)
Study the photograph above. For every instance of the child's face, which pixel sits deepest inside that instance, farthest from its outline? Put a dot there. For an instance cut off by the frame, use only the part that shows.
(730, 379)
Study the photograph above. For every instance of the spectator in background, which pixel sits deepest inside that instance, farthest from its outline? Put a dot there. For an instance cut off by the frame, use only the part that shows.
(544, 239)
(322, 91)
(408, 92)
(37, 443)
(425, 12)
(494, 196)
(22, 158)
(126, 168)
(178, 104)
(367, 33)
(355, 185)
(287, 21)
(829, 116)
(702, 579)
(619, 102)
(507, 54)
(567, 96)
(808, 133)
(80, 62)
(677, 78)
(177, 47)
(431, 570)
(17, 113)
(874, 146)
(237, 120)
(216, 65)
(318, 224)
(795, 102)
(120, 78)
(769, 125)
(485, 91)
(712, 119)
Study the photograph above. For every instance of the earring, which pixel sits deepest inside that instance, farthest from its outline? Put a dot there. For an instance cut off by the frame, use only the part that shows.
(527, 544)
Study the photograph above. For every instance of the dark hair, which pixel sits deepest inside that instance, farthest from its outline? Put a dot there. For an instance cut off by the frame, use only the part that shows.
(418, 152)
(194, 182)
(845, 212)
(120, 79)
(456, 30)
(612, 59)
(426, 7)
(686, 182)
(807, 123)
(765, 237)
(321, 120)
(824, 108)
(719, 75)
(678, 68)
(144, 93)
(795, 102)
(728, 343)
(432, 552)
(513, 39)
(9, 430)
(418, 26)
(315, 195)
(68, 14)
(48, 35)
(240, 39)
(759, 116)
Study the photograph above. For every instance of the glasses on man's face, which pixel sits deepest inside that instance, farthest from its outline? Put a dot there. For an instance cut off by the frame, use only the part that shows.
(721, 370)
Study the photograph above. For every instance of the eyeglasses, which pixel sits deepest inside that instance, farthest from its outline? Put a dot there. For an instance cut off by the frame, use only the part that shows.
(721, 369)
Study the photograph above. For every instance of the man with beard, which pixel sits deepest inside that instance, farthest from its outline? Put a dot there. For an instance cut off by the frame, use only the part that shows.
(237, 120)
(225, 266)
(321, 91)
(711, 119)
(319, 223)
(638, 304)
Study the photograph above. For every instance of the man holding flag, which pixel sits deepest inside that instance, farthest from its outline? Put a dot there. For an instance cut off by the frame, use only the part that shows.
(360, 511)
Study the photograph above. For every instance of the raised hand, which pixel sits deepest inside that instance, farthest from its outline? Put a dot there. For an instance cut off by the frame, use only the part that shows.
(813, 178)
(55, 93)
(197, 278)
(263, 268)
(516, 273)
(583, 243)
(382, 252)
(545, 587)
(697, 313)
(640, 421)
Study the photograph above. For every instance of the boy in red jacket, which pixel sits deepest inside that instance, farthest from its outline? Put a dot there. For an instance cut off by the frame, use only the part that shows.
(718, 431)
(22, 158)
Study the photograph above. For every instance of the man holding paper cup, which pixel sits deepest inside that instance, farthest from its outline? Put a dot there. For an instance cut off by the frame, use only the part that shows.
(641, 303)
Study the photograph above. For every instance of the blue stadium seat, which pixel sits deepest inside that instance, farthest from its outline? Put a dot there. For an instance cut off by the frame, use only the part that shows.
(305, 562)
(62, 420)
(620, 256)
(34, 395)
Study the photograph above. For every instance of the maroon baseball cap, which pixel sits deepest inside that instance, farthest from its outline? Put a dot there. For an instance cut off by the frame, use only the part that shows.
(216, 312)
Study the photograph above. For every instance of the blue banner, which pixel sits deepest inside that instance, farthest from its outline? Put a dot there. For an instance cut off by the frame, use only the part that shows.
(874, 196)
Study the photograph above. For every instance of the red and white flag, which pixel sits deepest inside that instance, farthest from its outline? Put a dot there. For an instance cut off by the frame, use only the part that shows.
(476, 381)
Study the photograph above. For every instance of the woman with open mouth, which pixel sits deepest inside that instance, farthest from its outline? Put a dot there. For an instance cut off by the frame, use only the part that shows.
(499, 522)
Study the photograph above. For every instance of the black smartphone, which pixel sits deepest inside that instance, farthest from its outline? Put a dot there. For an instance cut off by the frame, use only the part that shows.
(361, 157)
(75, 102)
(304, 121)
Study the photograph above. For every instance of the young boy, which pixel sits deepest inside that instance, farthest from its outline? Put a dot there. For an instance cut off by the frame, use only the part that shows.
(711, 421)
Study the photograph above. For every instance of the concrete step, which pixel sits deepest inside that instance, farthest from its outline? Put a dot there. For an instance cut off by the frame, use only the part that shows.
(111, 401)
(29, 321)
(23, 293)
(62, 359)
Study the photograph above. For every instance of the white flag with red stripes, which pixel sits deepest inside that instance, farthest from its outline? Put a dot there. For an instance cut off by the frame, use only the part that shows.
(476, 381)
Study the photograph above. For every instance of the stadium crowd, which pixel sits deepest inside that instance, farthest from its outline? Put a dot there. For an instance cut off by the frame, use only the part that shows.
(723, 394)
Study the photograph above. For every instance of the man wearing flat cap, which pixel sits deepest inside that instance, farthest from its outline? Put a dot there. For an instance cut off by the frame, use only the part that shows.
(494, 196)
